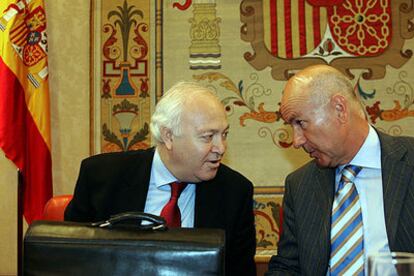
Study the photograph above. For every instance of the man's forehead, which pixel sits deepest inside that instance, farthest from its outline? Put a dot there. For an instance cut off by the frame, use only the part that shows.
(298, 82)
(289, 112)
(296, 87)
(213, 128)
(293, 100)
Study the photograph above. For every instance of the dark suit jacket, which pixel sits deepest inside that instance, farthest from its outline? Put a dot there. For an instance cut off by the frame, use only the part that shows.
(118, 182)
(304, 247)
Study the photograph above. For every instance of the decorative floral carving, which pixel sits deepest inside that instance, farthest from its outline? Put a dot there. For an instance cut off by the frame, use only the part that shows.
(246, 97)
(402, 89)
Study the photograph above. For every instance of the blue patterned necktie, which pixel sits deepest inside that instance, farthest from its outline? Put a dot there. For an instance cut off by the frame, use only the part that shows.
(347, 243)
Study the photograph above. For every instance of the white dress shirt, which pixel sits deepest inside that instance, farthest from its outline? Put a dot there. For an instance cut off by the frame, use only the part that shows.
(369, 186)
(159, 193)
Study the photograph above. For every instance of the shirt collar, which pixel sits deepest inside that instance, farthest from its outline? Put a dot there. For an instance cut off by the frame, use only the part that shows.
(369, 155)
(160, 175)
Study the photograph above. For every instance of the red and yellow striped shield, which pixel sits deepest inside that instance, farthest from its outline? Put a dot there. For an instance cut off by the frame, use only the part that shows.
(294, 27)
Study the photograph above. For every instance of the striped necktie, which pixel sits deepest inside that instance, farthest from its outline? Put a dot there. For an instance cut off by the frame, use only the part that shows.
(347, 244)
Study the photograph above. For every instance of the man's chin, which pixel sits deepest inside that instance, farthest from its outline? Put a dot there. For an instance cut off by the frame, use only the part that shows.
(322, 163)
(208, 175)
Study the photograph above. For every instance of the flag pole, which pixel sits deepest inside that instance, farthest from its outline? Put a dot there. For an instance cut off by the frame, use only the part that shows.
(19, 223)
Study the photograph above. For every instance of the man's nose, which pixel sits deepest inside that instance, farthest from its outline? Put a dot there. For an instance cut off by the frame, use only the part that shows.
(220, 145)
(298, 139)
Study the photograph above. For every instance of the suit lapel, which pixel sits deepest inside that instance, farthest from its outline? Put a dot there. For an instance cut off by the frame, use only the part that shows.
(199, 209)
(205, 213)
(325, 183)
(396, 175)
(137, 178)
(324, 191)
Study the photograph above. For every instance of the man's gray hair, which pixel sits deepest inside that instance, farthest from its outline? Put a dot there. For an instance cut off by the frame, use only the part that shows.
(169, 109)
(323, 86)
(330, 82)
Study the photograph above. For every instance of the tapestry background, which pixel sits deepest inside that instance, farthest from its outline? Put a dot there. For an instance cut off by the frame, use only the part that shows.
(69, 34)
(233, 47)
(245, 51)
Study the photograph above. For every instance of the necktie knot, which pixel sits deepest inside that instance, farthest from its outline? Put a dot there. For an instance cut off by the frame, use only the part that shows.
(177, 188)
(349, 173)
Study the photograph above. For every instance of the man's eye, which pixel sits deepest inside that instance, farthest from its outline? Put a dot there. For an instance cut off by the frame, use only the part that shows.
(301, 123)
(207, 137)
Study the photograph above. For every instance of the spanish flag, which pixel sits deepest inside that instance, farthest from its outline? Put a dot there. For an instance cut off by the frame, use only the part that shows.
(24, 99)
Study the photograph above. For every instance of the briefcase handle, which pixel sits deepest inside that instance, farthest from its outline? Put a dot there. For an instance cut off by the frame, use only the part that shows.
(155, 222)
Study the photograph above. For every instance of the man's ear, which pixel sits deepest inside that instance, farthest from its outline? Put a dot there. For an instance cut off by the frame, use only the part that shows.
(167, 137)
(340, 107)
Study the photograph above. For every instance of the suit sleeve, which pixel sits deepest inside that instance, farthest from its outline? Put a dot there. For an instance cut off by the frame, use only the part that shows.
(79, 209)
(286, 262)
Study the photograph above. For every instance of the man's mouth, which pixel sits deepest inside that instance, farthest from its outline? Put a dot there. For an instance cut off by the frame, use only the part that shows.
(215, 163)
(307, 150)
(312, 153)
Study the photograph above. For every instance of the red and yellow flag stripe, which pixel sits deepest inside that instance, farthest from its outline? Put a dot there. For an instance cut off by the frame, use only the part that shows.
(24, 99)
(293, 28)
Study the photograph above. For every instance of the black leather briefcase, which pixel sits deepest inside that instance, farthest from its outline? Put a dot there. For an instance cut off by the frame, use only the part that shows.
(113, 248)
